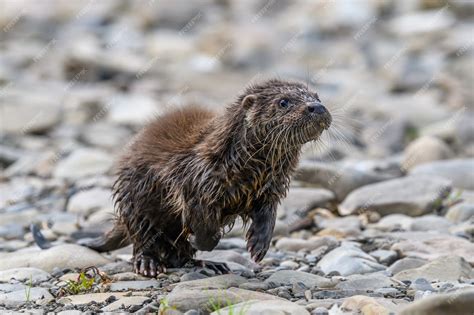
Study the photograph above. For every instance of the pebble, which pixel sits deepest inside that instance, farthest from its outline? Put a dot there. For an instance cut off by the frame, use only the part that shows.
(294, 244)
(460, 212)
(136, 285)
(459, 171)
(29, 275)
(446, 268)
(384, 256)
(413, 195)
(16, 298)
(125, 303)
(423, 150)
(61, 256)
(340, 181)
(83, 162)
(290, 277)
(406, 263)
(439, 304)
(88, 201)
(277, 307)
(185, 299)
(349, 259)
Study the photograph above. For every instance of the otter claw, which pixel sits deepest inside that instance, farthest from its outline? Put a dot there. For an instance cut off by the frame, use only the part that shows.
(147, 266)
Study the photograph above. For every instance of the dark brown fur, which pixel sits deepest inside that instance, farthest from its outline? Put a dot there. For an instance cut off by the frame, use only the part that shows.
(191, 173)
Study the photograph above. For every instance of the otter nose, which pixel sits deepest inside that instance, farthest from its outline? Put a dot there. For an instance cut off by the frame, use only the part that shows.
(316, 108)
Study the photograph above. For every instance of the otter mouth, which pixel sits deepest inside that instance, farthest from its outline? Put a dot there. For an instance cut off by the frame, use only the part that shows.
(314, 127)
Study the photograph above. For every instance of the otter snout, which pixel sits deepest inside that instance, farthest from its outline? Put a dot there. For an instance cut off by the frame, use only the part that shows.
(316, 108)
(320, 113)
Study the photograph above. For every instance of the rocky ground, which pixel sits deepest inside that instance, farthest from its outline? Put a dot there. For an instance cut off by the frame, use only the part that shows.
(379, 218)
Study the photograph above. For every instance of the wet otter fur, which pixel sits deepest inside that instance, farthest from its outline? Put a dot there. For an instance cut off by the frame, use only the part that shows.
(190, 173)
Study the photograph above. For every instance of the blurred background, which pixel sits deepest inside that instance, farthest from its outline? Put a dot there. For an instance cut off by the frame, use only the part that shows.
(78, 78)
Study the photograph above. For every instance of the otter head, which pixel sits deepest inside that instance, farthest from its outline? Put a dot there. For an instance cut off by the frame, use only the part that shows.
(285, 111)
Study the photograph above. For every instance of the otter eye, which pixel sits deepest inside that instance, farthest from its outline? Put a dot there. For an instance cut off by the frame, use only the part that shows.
(284, 103)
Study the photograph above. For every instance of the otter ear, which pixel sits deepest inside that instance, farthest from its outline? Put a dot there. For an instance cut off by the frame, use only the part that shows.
(248, 101)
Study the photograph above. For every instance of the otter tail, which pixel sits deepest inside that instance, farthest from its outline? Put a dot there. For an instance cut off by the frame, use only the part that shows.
(114, 239)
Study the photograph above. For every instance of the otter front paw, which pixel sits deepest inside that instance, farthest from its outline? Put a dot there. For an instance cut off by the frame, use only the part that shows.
(147, 266)
(258, 244)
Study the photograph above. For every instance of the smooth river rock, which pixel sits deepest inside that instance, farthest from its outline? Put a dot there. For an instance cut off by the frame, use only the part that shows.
(256, 307)
(459, 171)
(340, 180)
(349, 259)
(413, 195)
(61, 256)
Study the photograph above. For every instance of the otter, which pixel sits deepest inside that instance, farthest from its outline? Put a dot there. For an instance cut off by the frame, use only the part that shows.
(190, 173)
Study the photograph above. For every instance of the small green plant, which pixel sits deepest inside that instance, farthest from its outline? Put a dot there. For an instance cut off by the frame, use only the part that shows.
(164, 305)
(82, 284)
(231, 310)
(85, 281)
(29, 284)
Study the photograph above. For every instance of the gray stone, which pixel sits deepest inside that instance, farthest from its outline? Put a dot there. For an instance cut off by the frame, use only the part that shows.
(203, 298)
(394, 222)
(254, 286)
(61, 256)
(232, 243)
(460, 171)
(430, 246)
(294, 244)
(12, 231)
(349, 223)
(424, 150)
(369, 304)
(349, 259)
(144, 108)
(301, 200)
(320, 311)
(384, 256)
(289, 264)
(413, 195)
(460, 212)
(228, 256)
(255, 307)
(339, 180)
(383, 138)
(290, 277)
(447, 268)
(83, 162)
(128, 276)
(125, 302)
(211, 283)
(71, 312)
(87, 298)
(8, 287)
(88, 201)
(430, 223)
(192, 276)
(137, 285)
(28, 275)
(371, 281)
(29, 112)
(421, 284)
(459, 302)
(422, 23)
(105, 135)
(15, 298)
(406, 263)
